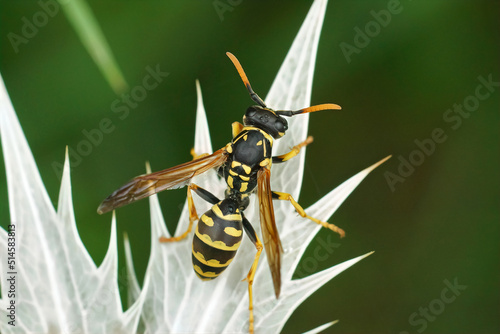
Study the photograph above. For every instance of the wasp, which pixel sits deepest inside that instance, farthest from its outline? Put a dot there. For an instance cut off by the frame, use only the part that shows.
(245, 165)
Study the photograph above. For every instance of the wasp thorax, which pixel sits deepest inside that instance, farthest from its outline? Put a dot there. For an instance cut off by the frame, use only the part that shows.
(267, 120)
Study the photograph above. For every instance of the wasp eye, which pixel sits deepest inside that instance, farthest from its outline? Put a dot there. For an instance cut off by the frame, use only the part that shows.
(281, 126)
(251, 112)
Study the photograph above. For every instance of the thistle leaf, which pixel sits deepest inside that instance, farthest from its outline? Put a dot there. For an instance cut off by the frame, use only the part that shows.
(58, 287)
(291, 89)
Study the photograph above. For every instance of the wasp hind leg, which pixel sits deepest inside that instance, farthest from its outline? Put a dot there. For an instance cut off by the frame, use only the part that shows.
(302, 213)
(295, 150)
(255, 239)
(193, 215)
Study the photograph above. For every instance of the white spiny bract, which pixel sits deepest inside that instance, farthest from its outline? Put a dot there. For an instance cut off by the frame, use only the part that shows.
(60, 289)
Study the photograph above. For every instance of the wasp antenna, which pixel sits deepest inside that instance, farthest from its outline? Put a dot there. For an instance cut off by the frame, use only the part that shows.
(244, 78)
(319, 107)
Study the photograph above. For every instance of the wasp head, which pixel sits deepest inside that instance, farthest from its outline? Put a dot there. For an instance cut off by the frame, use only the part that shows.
(266, 119)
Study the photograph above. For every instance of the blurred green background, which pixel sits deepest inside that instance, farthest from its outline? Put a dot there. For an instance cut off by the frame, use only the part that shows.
(441, 223)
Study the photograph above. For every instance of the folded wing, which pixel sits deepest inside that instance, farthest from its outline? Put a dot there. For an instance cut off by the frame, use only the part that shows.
(172, 178)
(270, 236)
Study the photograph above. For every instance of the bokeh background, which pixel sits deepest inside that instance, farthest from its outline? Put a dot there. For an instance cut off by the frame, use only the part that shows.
(439, 223)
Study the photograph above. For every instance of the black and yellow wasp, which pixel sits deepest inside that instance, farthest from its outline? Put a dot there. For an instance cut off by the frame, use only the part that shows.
(245, 164)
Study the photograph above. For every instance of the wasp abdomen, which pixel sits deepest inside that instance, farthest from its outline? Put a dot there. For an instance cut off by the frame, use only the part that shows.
(217, 238)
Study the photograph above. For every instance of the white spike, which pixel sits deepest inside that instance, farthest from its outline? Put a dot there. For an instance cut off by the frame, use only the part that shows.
(202, 142)
(133, 284)
(299, 232)
(321, 328)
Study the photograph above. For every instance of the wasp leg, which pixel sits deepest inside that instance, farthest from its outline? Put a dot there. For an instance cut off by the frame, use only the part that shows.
(197, 156)
(193, 215)
(236, 127)
(295, 150)
(302, 213)
(255, 239)
(205, 194)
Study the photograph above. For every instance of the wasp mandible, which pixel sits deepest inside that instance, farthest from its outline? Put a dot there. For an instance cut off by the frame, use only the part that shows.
(245, 165)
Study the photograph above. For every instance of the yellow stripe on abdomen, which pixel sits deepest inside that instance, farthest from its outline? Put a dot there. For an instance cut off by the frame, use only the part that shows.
(216, 244)
(211, 263)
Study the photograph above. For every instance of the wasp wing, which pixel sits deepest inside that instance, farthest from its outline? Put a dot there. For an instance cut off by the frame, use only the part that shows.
(176, 177)
(270, 235)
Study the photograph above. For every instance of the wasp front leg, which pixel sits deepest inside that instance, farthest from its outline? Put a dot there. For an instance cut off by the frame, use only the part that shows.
(295, 150)
(197, 156)
(193, 215)
(302, 213)
(251, 274)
